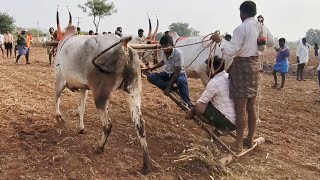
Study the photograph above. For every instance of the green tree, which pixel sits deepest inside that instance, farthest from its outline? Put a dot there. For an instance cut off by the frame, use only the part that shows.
(35, 32)
(6, 22)
(183, 29)
(313, 36)
(98, 9)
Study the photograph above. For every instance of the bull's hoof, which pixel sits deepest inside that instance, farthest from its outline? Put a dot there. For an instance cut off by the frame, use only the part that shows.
(59, 120)
(81, 131)
(146, 169)
(98, 150)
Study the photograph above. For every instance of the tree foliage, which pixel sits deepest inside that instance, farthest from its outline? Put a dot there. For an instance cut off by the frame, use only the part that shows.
(183, 29)
(98, 9)
(6, 22)
(35, 32)
(313, 36)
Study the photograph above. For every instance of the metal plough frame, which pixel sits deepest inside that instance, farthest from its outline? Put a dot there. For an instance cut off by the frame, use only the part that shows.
(200, 121)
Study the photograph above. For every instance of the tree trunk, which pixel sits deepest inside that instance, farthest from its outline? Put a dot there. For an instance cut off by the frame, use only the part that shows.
(97, 27)
(95, 24)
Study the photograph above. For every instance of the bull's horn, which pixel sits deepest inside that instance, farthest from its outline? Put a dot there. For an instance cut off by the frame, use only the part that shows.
(144, 46)
(58, 23)
(156, 30)
(150, 28)
(70, 17)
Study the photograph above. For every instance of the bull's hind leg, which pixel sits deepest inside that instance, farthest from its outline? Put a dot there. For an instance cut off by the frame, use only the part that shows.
(82, 107)
(102, 101)
(59, 87)
(134, 100)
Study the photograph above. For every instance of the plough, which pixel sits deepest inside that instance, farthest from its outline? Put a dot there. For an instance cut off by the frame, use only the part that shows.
(201, 121)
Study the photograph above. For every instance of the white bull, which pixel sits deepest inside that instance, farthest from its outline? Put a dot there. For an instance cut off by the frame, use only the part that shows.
(196, 66)
(82, 64)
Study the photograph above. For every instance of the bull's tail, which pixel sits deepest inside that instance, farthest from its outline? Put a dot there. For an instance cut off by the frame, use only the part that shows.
(105, 69)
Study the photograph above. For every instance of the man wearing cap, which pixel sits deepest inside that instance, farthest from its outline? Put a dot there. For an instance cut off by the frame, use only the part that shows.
(22, 46)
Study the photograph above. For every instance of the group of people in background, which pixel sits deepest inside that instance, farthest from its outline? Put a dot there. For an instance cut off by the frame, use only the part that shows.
(22, 44)
(302, 56)
(6, 41)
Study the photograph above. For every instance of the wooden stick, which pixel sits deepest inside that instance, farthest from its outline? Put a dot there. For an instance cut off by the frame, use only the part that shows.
(144, 46)
(52, 43)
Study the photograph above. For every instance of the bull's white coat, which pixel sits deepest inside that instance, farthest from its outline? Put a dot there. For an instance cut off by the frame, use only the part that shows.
(74, 68)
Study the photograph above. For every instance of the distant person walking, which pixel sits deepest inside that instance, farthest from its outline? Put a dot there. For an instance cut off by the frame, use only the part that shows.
(303, 51)
(316, 53)
(1, 43)
(282, 63)
(8, 43)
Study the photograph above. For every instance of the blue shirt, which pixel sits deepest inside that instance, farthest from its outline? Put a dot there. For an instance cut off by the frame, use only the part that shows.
(283, 54)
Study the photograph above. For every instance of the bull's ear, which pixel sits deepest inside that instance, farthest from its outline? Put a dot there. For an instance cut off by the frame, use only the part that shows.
(126, 40)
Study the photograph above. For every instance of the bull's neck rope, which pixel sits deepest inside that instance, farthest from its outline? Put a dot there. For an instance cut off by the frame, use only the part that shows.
(66, 41)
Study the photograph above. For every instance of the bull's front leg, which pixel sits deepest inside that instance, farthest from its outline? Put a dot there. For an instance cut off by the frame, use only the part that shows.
(59, 87)
(134, 100)
(82, 107)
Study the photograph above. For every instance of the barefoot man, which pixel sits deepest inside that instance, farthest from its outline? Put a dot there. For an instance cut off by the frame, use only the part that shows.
(244, 75)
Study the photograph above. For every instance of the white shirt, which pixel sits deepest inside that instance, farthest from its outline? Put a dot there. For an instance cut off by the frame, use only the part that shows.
(1, 39)
(140, 40)
(217, 92)
(303, 53)
(8, 38)
(244, 39)
(44, 39)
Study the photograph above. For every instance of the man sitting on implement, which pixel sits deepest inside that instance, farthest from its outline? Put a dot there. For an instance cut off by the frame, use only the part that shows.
(215, 103)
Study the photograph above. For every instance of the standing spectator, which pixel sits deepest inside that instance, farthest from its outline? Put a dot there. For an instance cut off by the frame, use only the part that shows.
(50, 50)
(44, 40)
(118, 31)
(316, 53)
(244, 75)
(140, 37)
(22, 46)
(282, 64)
(1, 43)
(303, 50)
(8, 43)
(79, 31)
